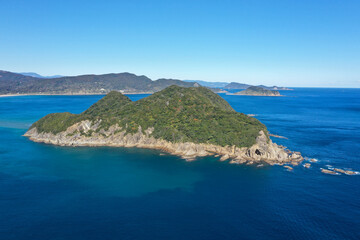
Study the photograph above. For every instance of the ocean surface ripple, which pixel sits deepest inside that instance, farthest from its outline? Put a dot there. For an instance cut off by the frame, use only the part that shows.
(52, 192)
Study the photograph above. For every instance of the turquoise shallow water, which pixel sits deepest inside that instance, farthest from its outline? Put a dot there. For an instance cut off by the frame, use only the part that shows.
(52, 192)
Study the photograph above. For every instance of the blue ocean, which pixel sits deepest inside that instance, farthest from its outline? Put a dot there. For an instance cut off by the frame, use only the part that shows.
(52, 192)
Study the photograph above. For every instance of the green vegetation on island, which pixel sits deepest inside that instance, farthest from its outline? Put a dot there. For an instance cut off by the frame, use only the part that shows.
(258, 91)
(177, 114)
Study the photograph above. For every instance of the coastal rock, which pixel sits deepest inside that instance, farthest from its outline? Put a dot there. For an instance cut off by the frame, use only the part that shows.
(347, 172)
(277, 136)
(339, 170)
(350, 173)
(224, 157)
(326, 171)
(288, 168)
(238, 161)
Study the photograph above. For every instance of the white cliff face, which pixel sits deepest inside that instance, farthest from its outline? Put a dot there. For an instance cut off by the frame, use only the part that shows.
(86, 133)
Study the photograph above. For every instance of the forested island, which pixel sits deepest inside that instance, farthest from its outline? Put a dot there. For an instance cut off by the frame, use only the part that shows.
(190, 122)
(258, 91)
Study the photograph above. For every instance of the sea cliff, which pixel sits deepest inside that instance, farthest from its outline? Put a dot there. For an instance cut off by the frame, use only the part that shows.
(87, 133)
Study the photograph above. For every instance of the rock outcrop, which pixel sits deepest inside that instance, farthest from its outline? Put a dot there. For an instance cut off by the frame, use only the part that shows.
(326, 171)
(288, 168)
(87, 133)
(307, 165)
(347, 172)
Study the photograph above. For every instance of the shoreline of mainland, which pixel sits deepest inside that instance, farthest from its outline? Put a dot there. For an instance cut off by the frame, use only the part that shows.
(67, 94)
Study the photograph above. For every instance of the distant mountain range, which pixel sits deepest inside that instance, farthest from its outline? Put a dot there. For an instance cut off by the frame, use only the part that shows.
(32, 74)
(233, 85)
(33, 83)
(209, 84)
(14, 83)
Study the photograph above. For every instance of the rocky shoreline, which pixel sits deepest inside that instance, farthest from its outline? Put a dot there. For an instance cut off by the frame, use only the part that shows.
(87, 133)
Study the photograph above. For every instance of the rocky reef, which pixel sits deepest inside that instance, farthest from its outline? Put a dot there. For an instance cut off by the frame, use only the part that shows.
(89, 133)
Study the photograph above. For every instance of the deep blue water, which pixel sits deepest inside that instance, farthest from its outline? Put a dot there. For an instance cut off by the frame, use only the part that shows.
(52, 192)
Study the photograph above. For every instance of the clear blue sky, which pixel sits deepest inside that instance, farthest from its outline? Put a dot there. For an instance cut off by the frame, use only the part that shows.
(290, 43)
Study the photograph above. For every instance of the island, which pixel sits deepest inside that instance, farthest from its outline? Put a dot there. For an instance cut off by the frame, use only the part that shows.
(258, 91)
(189, 122)
(235, 85)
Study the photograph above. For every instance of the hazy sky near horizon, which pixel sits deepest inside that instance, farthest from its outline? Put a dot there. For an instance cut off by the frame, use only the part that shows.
(289, 43)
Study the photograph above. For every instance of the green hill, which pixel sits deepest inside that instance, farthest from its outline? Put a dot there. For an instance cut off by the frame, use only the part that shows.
(177, 114)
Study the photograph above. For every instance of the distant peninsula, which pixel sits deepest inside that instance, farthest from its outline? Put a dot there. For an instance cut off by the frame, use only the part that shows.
(258, 91)
(128, 83)
(189, 122)
(235, 85)
(29, 83)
